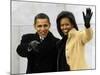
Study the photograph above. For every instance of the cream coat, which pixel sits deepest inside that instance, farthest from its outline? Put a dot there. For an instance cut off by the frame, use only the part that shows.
(75, 48)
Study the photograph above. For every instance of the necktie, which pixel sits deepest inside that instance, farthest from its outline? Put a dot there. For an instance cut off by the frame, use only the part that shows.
(41, 39)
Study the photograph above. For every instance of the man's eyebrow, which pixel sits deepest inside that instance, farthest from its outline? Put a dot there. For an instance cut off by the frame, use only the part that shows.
(39, 25)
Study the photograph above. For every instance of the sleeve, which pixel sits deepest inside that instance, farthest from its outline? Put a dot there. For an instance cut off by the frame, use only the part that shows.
(22, 48)
(86, 35)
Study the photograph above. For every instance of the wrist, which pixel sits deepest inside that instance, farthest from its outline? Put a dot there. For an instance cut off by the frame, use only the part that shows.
(87, 25)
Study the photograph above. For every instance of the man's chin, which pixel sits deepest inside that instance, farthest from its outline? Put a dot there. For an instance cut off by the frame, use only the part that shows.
(43, 36)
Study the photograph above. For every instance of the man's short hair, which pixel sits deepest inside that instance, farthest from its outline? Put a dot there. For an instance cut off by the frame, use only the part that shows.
(41, 16)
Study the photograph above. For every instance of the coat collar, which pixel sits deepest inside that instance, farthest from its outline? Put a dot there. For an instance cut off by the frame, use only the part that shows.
(49, 36)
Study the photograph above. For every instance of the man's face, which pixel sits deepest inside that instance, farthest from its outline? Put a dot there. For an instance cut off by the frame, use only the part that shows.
(42, 26)
(65, 25)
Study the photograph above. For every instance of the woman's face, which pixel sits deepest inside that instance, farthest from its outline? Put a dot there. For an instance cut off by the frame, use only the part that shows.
(65, 25)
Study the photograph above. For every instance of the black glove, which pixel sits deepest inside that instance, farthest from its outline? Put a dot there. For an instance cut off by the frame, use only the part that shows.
(34, 45)
(87, 17)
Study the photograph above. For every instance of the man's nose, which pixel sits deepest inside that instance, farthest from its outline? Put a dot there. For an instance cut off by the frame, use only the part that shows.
(42, 28)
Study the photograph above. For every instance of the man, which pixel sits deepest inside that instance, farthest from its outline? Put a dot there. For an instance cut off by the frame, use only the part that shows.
(39, 48)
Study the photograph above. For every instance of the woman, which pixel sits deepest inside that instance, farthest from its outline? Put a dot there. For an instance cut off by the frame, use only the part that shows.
(71, 47)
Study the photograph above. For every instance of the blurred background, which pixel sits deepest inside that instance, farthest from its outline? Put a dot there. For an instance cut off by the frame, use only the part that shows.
(22, 20)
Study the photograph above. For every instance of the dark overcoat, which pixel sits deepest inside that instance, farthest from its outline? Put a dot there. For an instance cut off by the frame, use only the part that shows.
(43, 61)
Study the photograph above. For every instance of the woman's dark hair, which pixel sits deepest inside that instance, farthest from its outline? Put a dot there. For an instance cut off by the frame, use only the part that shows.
(65, 14)
(41, 16)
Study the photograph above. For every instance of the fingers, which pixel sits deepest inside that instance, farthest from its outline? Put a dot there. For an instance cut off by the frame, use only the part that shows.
(88, 10)
(91, 14)
(83, 15)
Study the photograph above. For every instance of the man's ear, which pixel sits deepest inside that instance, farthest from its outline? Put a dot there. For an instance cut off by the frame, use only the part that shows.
(34, 26)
